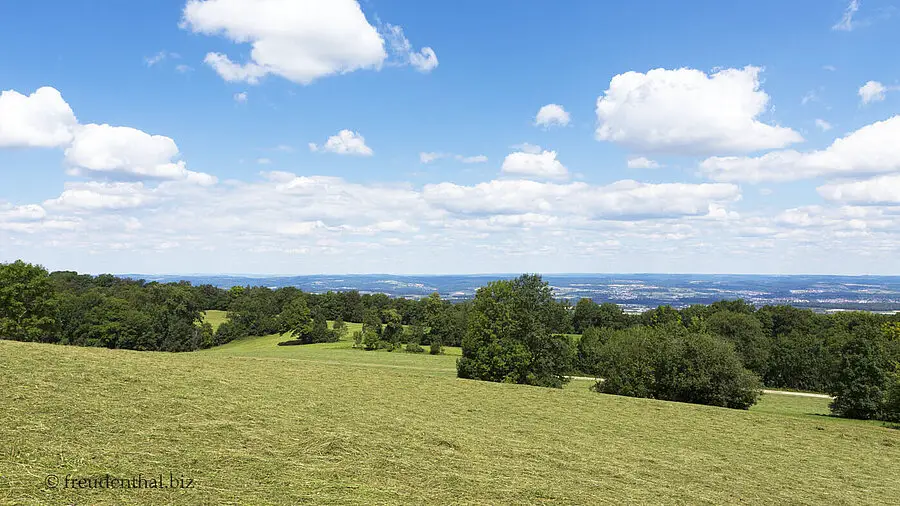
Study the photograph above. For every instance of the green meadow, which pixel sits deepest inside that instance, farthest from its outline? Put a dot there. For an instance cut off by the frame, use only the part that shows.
(254, 423)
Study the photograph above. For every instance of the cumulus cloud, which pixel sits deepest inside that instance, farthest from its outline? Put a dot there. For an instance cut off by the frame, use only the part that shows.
(30, 212)
(877, 190)
(42, 119)
(846, 22)
(95, 195)
(870, 150)
(346, 142)
(552, 115)
(117, 151)
(688, 112)
(643, 163)
(240, 97)
(540, 165)
(300, 40)
(872, 91)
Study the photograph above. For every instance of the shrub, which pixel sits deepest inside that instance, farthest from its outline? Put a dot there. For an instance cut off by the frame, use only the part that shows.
(675, 365)
(861, 381)
(339, 328)
(592, 340)
(229, 331)
(436, 348)
(414, 348)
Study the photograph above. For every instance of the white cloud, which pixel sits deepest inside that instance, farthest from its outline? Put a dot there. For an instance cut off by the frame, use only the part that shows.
(684, 111)
(810, 96)
(872, 91)
(97, 195)
(472, 159)
(623, 199)
(830, 68)
(157, 58)
(424, 60)
(300, 40)
(541, 165)
(428, 157)
(643, 163)
(264, 161)
(871, 149)
(527, 148)
(846, 22)
(240, 97)
(127, 152)
(183, 69)
(42, 119)
(29, 212)
(823, 125)
(552, 115)
(346, 142)
(877, 190)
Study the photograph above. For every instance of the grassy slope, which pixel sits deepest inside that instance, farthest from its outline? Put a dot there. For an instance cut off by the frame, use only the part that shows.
(215, 317)
(253, 423)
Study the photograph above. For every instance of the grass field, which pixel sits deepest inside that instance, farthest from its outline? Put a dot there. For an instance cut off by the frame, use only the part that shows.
(215, 317)
(254, 423)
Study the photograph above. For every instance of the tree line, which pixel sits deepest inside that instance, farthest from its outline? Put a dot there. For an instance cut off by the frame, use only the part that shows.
(512, 331)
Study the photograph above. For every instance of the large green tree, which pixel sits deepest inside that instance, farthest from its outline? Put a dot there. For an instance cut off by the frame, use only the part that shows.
(26, 307)
(509, 337)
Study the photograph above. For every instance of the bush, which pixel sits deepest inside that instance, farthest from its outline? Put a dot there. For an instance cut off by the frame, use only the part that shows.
(675, 365)
(414, 348)
(435, 348)
(861, 381)
(592, 340)
(229, 331)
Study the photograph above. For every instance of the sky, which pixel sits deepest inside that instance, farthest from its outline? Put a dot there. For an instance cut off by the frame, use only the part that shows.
(409, 137)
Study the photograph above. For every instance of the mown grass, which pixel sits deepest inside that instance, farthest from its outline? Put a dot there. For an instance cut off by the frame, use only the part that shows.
(215, 318)
(254, 423)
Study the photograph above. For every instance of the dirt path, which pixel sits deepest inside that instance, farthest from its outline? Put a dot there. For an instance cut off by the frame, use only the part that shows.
(765, 391)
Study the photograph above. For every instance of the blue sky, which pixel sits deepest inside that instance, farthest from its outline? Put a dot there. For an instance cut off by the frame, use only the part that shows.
(326, 136)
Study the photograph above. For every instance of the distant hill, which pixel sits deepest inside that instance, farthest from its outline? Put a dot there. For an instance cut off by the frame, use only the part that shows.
(635, 292)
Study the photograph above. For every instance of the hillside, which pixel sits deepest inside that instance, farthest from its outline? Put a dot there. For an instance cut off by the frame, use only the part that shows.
(326, 425)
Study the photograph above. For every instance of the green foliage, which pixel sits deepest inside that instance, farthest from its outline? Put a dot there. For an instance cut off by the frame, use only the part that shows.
(229, 331)
(435, 348)
(676, 366)
(295, 317)
(863, 377)
(257, 310)
(661, 317)
(590, 314)
(370, 339)
(745, 332)
(891, 408)
(339, 328)
(415, 348)
(509, 339)
(372, 323)
(393, 328)
(589, 346)
(26, 304)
